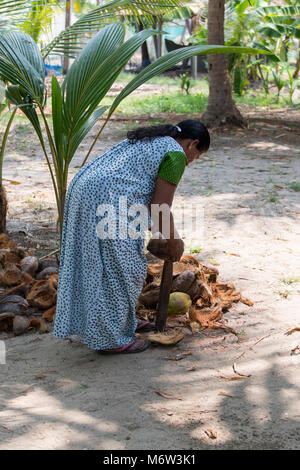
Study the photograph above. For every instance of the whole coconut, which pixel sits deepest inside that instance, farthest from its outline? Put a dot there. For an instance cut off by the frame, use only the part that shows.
(179, 303)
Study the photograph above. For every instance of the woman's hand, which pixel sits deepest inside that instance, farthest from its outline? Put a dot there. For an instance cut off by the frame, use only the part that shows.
(171, 249)
(175, 249)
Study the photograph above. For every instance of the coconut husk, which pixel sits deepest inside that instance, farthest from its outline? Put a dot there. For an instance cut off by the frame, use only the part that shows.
(47, 272)
(14, 304)
(29, 265)
(39, 324)
(167, 338)
(11, 275)
(10, 256)
(6, 321)
(49, 315)
(47, 263)
(42, 294)
(6, 242)
(22, 289)
(210, 297)
(20, 324)
(183, 282)
(150, 298)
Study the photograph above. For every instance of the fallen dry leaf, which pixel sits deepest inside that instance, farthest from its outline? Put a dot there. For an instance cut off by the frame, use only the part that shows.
(167, 338)
(207, 411)
(39, 376)
(238, 373)
(225, 394)
(166, 395)
(292, 330)
(232, 377)
(295, 351)
(211, 434)
(179, 356)
(192, 368)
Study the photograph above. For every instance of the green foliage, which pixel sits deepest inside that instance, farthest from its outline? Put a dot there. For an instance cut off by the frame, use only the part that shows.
(291, 84)
(166, 103)
(185, 83)
(278, 82)
(239, 80)
(38, 18)
(295, 186)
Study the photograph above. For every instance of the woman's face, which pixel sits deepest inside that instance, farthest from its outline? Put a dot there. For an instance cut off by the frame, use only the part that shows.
(190, 149)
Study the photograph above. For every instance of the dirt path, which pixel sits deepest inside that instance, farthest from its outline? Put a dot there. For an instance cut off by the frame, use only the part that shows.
(57, 394)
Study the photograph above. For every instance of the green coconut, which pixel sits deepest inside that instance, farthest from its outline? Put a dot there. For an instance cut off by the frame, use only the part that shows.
(179, 303)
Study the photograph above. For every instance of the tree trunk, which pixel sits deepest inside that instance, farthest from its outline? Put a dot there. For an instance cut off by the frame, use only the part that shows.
(220, 108)
(3, 209)
(296, 73)
(144, 48)
(66, 61)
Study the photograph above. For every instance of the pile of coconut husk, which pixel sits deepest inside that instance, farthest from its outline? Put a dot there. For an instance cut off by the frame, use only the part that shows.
(210, 298)
(28, 289)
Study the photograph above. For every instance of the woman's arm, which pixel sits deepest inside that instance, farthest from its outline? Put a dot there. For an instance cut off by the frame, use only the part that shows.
(163, 221)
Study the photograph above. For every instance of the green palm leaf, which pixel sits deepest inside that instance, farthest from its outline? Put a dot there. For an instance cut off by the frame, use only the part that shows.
(21, 64)
(93, 73)
(14, 96)
(84, 78)
(84, 130)
(72, 39)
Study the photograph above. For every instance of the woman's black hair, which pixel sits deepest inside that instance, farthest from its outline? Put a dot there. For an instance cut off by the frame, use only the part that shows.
(188, 129)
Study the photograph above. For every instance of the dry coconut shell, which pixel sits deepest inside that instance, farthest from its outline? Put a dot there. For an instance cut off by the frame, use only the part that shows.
(183, 282)
(194, 290)
(14, 304)
(11, 275)
(167, 338)
(47, 263)
(150, 298)
(20, 324)
(50, 313)
(47, 272)
(29, 265)
(42, 294)
(21, 289)
(150, 286)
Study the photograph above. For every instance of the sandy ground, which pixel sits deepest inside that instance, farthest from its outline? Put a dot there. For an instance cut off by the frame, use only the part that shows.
(57, 394)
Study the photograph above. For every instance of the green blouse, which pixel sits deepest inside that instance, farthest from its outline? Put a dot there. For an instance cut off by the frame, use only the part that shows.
(172, 167)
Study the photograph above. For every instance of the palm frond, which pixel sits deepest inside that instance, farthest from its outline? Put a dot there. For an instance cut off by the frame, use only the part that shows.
(13, 12)
(92, 75)
(21, 64)
(73, 38)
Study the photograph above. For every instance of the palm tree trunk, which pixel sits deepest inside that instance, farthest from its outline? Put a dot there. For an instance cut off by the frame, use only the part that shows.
(296, 73)
(3, 209)
(144, 48)
(220, 108)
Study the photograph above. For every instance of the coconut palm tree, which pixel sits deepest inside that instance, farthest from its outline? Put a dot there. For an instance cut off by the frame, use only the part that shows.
(221, 108)
(32, 15)
(76, 105)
